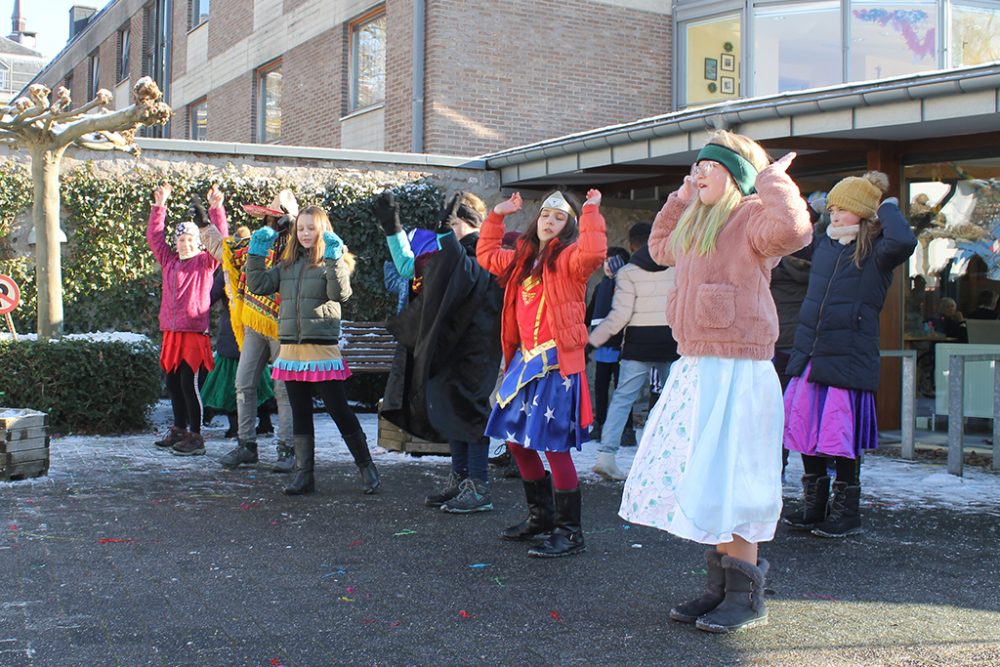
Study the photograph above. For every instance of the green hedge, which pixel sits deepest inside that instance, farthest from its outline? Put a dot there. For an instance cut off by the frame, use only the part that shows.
(85, 386)
(111, 281)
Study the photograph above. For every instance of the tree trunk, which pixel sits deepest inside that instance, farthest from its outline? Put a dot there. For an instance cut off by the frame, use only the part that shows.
(48, 259)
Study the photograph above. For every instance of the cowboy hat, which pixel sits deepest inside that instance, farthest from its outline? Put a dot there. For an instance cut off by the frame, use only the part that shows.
(283, 202)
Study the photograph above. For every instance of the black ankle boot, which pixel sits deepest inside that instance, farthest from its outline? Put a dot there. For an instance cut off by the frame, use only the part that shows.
(845, 515)
(566, 538)
(538, 525)
(303, 481)
(715, 592)
(357, 443)
(815, 504)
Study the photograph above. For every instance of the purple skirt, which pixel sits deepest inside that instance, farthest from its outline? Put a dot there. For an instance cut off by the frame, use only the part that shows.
(828, 421)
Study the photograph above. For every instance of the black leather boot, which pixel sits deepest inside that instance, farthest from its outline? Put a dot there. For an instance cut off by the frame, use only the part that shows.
(303, 481)
(538, 525)
(715, 592)
(566, 538)
(815, 503)
(357, 443)
(845, 515)
(743, 606)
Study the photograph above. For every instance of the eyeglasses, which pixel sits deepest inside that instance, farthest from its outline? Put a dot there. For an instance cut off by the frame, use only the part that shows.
(704, 168)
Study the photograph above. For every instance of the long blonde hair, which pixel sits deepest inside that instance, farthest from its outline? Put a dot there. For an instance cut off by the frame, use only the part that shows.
(700, 225)
(314, 255)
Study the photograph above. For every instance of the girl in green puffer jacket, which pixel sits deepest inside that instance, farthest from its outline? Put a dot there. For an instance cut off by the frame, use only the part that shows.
(312, 279)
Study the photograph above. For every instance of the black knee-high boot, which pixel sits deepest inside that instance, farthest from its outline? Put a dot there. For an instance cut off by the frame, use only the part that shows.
(303, 481)
(566, 538)
(538, 525)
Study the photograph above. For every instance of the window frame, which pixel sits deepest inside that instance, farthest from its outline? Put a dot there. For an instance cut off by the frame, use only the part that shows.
(194, 14)
(93, 75)
(260, 119)
(353, 28)
(201, 101)
(124, 48)
(7, 81)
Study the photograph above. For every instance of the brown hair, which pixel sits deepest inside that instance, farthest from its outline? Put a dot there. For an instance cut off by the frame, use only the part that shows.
(314, 255)
(870, 228)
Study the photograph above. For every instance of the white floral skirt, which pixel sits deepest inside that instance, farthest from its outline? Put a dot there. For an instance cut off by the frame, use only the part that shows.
(709, 464)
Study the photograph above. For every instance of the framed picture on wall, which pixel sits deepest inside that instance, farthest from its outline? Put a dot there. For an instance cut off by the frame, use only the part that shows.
(727, 61)
(711, 69)
(727, 85)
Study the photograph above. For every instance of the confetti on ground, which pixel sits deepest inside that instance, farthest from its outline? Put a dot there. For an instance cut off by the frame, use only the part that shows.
(350, 590)
(395, 624)
(555, 615)
(246, 506)
(464, 614)
(479, 566)
(636, 546)
(497, 579)
(276, 663)
(701, 571)
(356, 543)
(405, 531)
(344, 598)
(625, 526)
(367, 621)
(114, 540)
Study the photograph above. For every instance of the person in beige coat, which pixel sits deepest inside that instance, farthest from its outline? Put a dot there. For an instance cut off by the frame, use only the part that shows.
(639, 307)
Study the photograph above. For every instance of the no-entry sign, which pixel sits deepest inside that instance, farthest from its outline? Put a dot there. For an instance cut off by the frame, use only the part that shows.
(10, 295)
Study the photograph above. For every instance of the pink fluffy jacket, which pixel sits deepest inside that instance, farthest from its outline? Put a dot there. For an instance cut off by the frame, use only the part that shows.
(722, 305)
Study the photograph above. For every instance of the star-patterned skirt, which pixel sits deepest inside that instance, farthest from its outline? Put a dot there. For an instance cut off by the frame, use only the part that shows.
(540, 409)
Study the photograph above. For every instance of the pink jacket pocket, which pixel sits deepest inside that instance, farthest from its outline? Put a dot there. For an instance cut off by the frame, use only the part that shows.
(715, 306)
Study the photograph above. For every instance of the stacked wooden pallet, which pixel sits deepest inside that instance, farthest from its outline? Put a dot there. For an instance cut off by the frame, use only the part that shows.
(24, 443)
(396, 439)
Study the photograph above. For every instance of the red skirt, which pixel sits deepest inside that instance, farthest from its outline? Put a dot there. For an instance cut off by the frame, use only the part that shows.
(188, 346)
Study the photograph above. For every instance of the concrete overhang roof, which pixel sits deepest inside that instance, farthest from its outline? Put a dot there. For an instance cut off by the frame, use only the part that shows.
(915, 108)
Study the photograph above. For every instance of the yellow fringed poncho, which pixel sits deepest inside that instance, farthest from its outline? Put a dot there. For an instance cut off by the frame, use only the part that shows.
(260, 313)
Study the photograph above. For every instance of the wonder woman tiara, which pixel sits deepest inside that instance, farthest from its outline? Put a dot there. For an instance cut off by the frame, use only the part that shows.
(557, 201)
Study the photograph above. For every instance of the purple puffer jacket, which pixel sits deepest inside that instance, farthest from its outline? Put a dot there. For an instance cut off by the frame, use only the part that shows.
(187, 284)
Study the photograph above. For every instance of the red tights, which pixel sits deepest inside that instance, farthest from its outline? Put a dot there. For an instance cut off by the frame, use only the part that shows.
(530, 464)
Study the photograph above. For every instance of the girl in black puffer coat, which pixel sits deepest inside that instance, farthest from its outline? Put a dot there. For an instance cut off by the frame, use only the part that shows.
(830, 403)
(313, 278)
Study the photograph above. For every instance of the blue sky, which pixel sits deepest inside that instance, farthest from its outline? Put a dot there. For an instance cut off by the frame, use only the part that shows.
(49, 18)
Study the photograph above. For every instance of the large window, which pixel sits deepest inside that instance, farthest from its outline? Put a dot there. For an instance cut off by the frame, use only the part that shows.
(975, 33)
(712, 49)
(892, 38)
(124, 44)
(4, 77)
(796, 47)
(199, 12)
(198, 119)
(368, 60)
(269, 103)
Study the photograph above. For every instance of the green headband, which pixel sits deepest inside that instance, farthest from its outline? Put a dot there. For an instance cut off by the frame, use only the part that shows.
(744, 173)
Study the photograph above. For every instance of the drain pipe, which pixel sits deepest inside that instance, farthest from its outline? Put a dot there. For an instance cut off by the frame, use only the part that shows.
(417, 102)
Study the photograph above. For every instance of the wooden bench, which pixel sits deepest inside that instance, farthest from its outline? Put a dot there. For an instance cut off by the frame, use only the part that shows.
(368, 347)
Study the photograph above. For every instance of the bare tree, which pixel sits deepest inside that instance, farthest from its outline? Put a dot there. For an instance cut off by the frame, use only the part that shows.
(46, 130)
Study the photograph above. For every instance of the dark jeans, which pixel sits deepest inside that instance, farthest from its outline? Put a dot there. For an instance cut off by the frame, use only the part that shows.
(470, 459)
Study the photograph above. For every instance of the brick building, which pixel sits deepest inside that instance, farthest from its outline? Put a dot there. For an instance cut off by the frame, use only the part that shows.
(435, 76)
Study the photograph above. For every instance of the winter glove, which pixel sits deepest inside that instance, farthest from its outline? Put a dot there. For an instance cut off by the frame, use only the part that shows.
(283, 223)
(261, 241)
(449, 213)
(334, 246)
(196, 212)
(387, 213)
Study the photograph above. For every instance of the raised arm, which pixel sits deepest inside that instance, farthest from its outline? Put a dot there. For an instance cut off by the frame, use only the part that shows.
(338, 269)
(666, 222)
(589, 251)
(898, 240)
(489, 250)
(782, 226)
(260, 279)
(157, 222)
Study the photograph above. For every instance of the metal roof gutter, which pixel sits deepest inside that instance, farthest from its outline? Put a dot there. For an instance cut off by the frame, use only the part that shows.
(783, 105)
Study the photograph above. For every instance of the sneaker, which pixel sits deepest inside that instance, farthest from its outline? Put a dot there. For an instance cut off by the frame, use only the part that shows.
(286, 459)
(473, 496)
(446, 494)
(192, 445)
(173, 436)
(243, 453)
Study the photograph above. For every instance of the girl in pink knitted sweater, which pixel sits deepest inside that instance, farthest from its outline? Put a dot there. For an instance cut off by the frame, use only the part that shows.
(709, 465)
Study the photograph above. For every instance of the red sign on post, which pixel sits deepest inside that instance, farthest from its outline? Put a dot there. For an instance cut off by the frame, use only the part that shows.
(10, 295)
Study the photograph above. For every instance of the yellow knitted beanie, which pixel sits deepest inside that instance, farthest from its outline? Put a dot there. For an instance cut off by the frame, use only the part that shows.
(859, 195)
